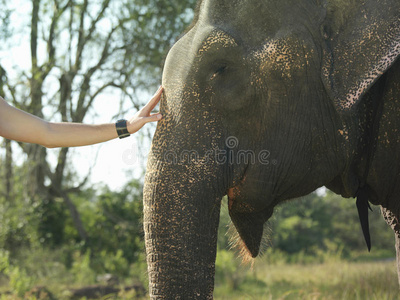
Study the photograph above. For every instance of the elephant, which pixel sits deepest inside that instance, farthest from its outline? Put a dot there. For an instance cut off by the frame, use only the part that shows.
(266, 101)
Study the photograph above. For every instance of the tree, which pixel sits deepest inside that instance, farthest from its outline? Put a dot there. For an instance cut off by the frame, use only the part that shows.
(308, 223)
(5, 12)
(80, 49)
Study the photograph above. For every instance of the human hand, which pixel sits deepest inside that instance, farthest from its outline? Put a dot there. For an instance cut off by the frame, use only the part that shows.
(143, 116)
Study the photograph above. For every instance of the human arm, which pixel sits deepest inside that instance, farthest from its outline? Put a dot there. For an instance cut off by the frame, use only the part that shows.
(21, 126)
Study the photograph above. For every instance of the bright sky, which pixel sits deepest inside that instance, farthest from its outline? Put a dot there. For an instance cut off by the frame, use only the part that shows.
(116, 161)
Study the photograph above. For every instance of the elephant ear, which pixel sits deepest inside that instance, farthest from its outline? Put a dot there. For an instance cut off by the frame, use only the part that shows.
(362, 42)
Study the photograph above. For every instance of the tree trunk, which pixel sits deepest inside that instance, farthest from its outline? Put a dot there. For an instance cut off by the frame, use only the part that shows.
(76, 218)
(8, 170)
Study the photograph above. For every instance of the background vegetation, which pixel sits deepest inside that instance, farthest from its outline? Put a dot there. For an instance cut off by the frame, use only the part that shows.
(59, 232)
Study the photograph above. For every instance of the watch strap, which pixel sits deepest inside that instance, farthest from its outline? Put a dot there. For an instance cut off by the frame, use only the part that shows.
(122, 130)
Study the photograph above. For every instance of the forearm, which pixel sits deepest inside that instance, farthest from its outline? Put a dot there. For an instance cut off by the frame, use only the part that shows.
(23, 127)
(77, 134)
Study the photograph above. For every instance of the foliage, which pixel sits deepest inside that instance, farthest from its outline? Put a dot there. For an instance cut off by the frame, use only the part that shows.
(330, 222)
(229, 269)
(19, 281)
(81, 268)
(5, 12)
(318, 228)
(116, 245)
(19, 219)
(113, 222)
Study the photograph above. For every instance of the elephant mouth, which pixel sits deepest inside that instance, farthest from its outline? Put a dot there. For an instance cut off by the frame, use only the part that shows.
(235, 199)
(246, 196)
(248, 218)
(236, 203)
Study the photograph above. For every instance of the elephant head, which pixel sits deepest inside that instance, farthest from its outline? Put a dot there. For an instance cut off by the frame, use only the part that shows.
(264, 101)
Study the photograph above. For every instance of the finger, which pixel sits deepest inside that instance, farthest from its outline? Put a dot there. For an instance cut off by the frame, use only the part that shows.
(153, 101)
(153, 118)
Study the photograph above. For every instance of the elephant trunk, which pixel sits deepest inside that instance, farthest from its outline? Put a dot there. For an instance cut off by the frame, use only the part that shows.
(181, 222)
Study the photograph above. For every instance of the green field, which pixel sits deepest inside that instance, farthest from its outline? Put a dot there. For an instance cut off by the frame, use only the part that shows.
(332, 280)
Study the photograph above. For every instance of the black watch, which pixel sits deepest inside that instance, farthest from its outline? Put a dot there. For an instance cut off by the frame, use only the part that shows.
(122, 131)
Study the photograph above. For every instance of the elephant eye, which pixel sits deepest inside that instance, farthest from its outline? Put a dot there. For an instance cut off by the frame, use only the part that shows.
(218, 72)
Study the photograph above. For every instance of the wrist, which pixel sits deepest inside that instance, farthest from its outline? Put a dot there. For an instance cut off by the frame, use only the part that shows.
(121, 127)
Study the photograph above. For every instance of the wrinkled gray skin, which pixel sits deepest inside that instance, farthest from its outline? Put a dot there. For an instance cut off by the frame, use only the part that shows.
(309, 89)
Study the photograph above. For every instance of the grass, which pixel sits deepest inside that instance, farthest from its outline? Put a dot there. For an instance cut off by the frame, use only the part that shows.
(271, 277)
(330, 281)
